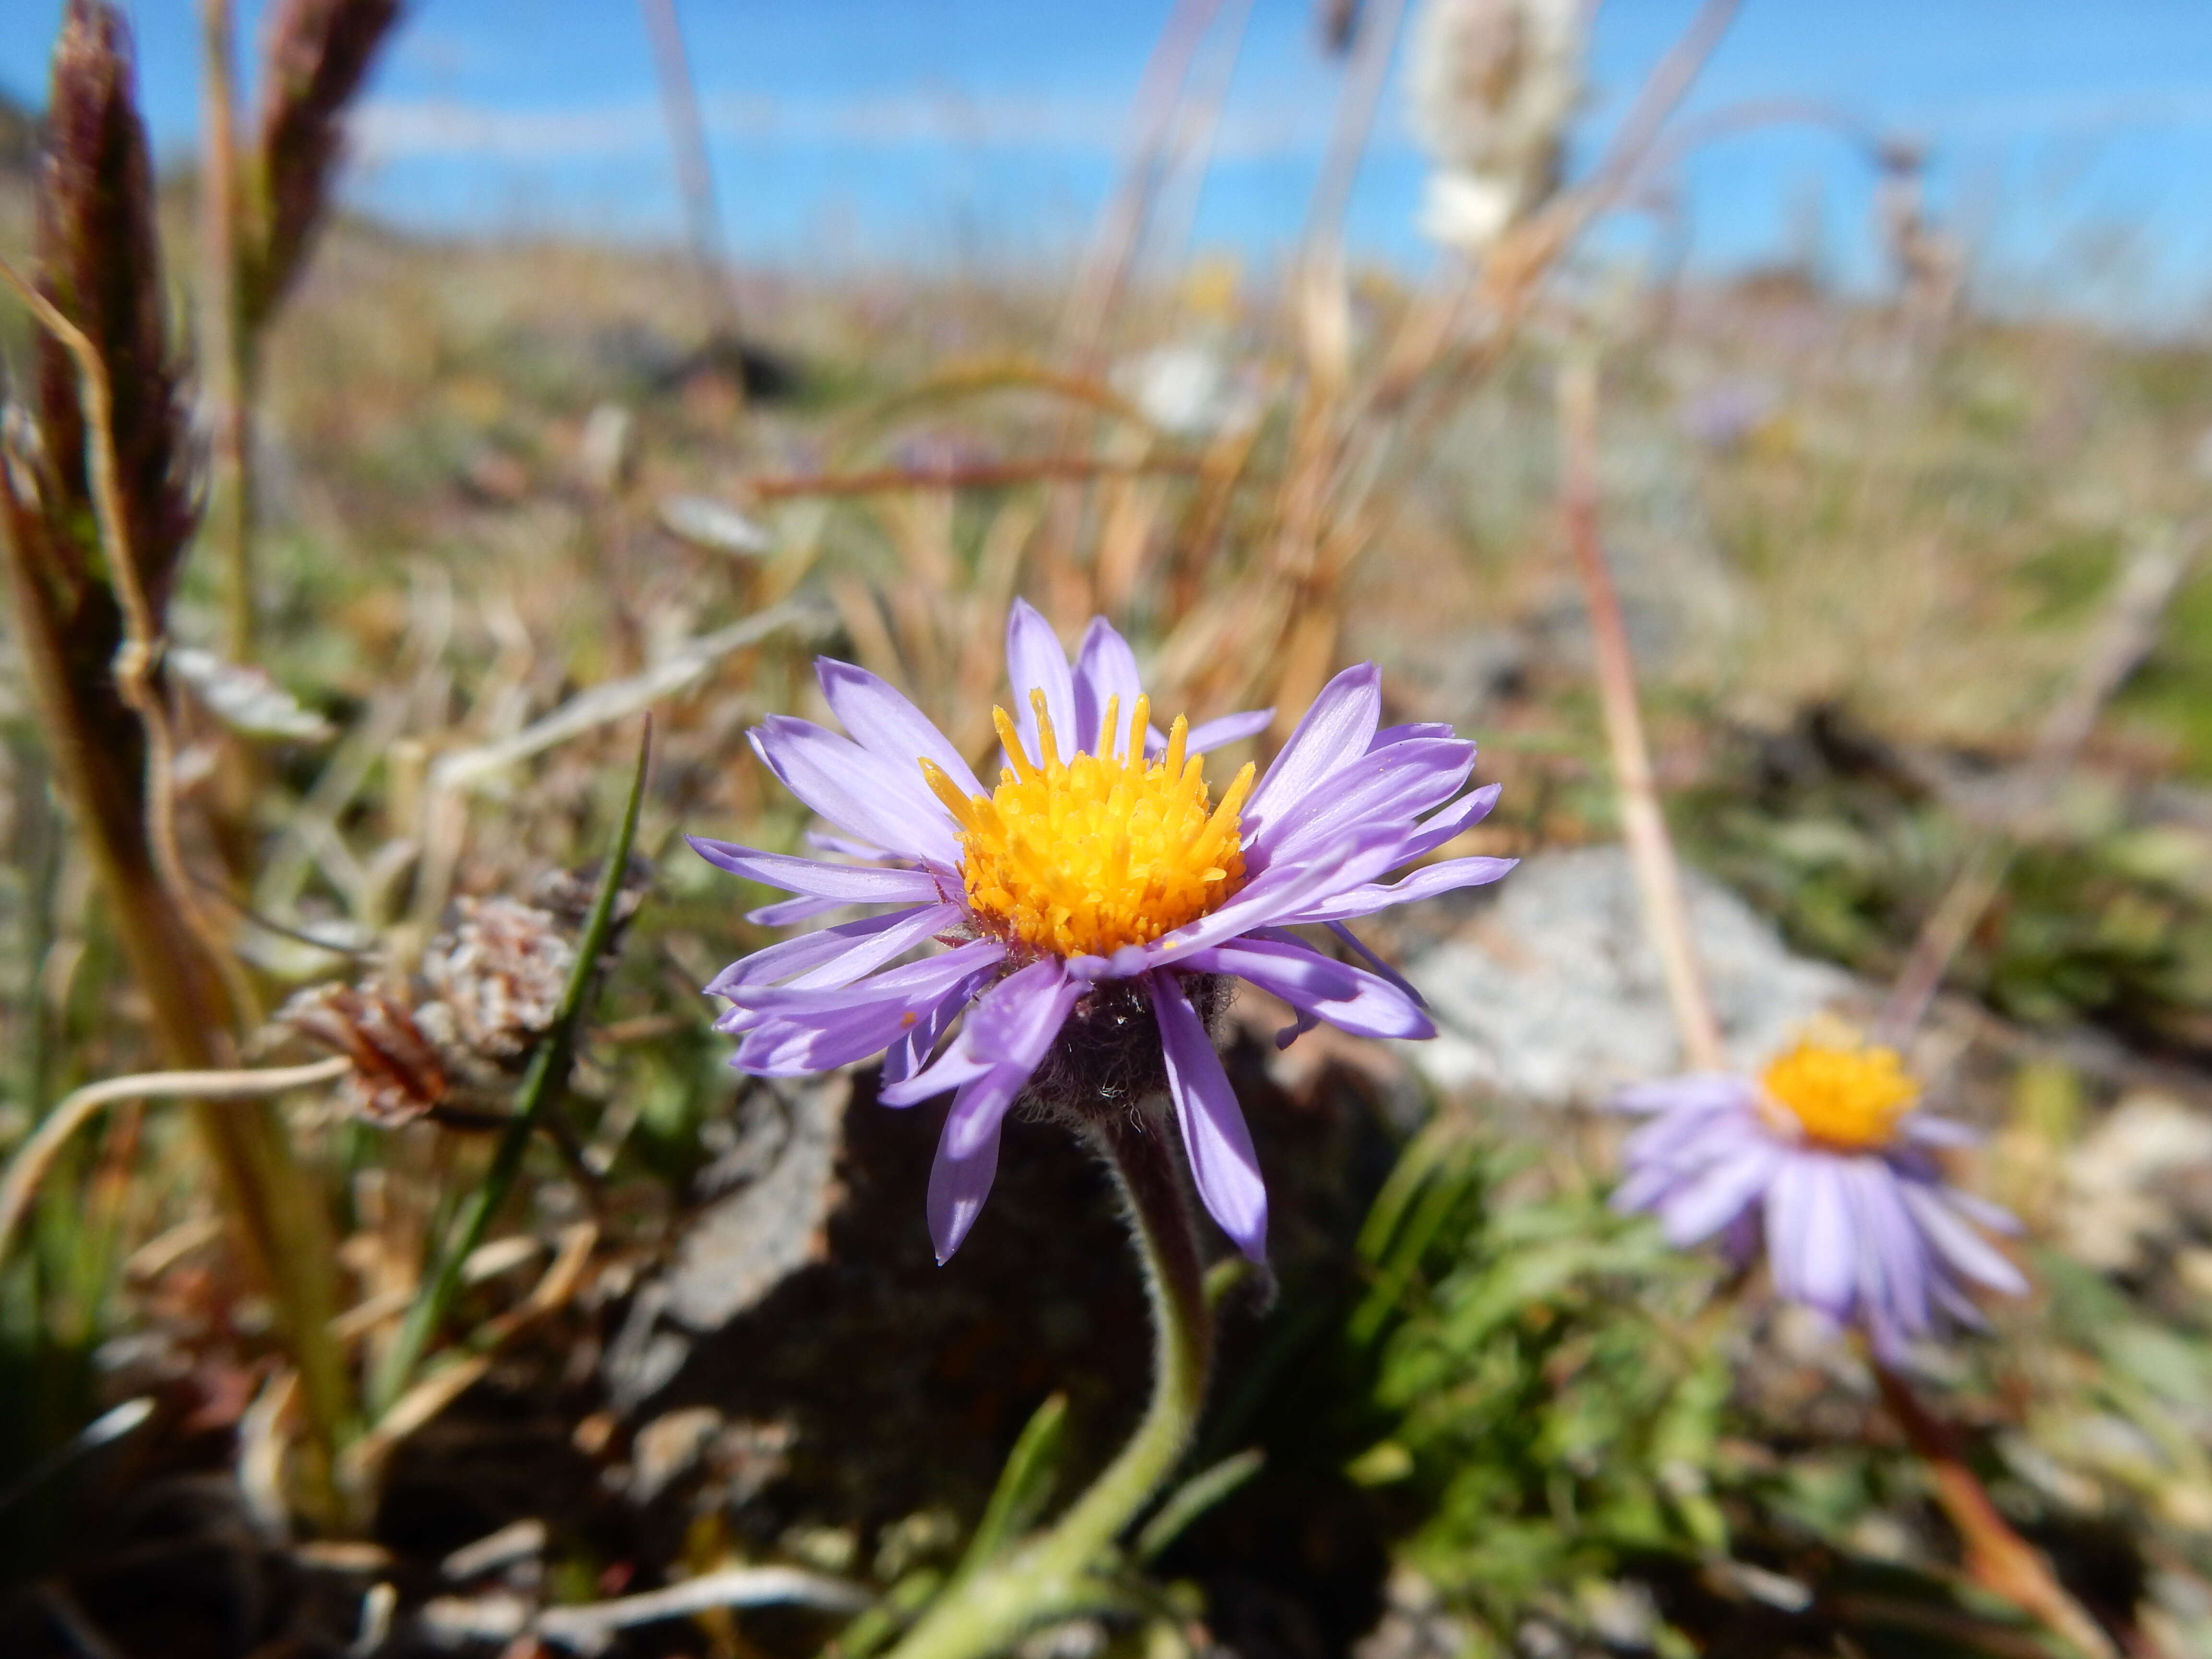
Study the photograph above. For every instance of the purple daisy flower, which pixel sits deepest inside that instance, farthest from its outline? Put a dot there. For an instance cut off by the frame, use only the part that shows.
(1093, 906)
(1826, 1158)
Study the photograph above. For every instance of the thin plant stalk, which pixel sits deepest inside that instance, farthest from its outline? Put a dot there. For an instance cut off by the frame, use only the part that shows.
(1371, 52)
(1121, 232)
(1057, 1575)
(542, 1085)
(171, 944)
(1644, 824)
(227, 344)
(695, 173)
(1998, 1558)
(1095, 297)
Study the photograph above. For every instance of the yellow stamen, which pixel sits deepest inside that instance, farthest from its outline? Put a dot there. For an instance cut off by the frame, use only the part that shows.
(1047, 743)
(1084, 855)
(1843, 1096)
(1010, 735)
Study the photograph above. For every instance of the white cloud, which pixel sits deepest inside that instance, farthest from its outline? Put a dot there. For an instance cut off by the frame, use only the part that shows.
(387, 129)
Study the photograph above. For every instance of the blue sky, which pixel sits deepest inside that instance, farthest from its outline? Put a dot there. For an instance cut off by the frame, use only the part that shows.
(2073, 138)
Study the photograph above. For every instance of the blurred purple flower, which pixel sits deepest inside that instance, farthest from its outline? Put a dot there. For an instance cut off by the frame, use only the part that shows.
(1825, 1160)
(1095, 905)
(1725, 415)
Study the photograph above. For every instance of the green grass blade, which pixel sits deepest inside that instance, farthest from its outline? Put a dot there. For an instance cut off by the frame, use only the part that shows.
(541, 1084)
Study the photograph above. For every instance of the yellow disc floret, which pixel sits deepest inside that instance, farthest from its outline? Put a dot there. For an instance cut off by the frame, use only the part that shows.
(1843, 1096)
(1082, 856)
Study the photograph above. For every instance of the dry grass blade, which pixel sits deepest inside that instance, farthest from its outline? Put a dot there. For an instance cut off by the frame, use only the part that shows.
(1120, 234)
(29, 1167)
(618, 699)
(987, 475)
(588, 1628)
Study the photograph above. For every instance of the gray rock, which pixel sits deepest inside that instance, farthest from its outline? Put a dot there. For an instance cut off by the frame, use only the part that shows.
(1555, 995)
(750, 1240)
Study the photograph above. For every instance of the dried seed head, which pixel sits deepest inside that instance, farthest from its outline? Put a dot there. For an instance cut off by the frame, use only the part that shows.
(318, 52)
(99, 261)
(397, 1074)
(501, 974)
(1494, 83)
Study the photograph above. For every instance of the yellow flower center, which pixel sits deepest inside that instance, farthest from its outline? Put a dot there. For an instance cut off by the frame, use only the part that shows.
(1083, 856)
(1848, 1097)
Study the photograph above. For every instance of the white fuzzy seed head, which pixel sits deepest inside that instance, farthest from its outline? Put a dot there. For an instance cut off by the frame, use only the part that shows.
(1494, 83)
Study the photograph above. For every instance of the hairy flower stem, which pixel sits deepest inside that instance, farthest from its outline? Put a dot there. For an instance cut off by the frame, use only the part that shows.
(1997, 1559)
(1056, 1576)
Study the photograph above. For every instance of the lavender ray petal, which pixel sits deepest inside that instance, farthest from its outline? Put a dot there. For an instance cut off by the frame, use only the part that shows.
(1643, 1189)
(1704, 1089)
(799, 1044)
(856, 791)
(1015, 1023)
(1690, 1137)
(1785, 1215)
(927, 978)
(958, 1184)
(1334, 732)
(956, 1069)
(846, 883)
(1953, 1239)
(1706, 1204)
(1011, 1028)
(798, 1032)
(883, 722)
(890, 943)
(1105, 672)
(1209, 735)
(1828, 1274)
(1350, 998)
(1214, 1135)
(1891, 1240)
(1035, 662)
(1352, 942)
(1392, 786)
(981, 1106)
(787, 911)
(827, 944)
(1391, 734)
(1991, 1218)
(914, 1046)
(1457, 818)
(1932, 1130)
(1426, 883)
(846, 847)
